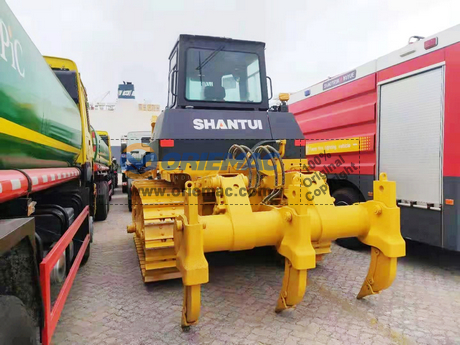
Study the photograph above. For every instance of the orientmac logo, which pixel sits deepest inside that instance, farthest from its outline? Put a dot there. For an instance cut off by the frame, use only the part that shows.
(10, 48)
(200, 124)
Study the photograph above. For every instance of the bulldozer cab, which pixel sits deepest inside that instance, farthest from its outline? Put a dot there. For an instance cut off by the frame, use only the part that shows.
(217, 73)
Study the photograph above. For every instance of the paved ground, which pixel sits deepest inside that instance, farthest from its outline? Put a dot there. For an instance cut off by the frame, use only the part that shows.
(109, 304)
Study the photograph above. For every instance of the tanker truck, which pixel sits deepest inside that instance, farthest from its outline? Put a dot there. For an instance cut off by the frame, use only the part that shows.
(102, 175)
(112, 162)
(49, 183)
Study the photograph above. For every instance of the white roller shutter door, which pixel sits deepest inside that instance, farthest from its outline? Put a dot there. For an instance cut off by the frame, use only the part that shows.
(410, 135)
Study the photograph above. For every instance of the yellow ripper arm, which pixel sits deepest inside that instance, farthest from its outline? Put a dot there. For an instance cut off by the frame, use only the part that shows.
(294, 228)
(293, 289)
(384, 236)
(190, 258)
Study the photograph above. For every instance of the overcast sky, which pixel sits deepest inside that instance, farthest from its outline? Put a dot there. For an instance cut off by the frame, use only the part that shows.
(306, 40)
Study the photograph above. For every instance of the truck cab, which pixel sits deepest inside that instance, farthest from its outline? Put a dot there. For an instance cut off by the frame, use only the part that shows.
(135, 159)
(67, 72)
(94, 154)
(113, 164)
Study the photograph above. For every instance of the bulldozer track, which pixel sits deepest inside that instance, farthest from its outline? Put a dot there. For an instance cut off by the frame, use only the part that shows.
(154, 238)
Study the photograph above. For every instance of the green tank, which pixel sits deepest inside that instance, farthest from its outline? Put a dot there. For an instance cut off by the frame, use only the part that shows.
(40, 123)
(101, 150)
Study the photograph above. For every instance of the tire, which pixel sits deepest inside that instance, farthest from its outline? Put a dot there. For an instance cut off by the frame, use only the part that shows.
(130, 205)
(102, 202)
(108, 205)
(85, 258)
(124, 188)
(91, 228)
(112, 189)
(17, 326)
(61, 269)
(343, 197)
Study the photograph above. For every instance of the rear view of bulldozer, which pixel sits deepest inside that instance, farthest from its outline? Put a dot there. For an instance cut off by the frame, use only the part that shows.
(229, 173)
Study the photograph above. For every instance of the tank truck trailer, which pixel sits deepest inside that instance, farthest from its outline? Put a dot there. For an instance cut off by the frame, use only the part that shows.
(112, 162)
(230, 174)
(51, 183)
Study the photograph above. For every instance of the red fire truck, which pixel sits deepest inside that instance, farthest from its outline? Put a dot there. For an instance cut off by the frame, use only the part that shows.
(397, 114)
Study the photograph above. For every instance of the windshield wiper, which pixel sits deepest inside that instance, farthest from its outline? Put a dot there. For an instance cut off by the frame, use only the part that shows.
(199, 62)
(209, 58)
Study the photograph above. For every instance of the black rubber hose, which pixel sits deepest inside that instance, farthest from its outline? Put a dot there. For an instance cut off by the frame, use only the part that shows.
(234, 149)
(274, 192)
(264, 148)
(283, 173)
(256, 164)
(263, 142)
(283, 178)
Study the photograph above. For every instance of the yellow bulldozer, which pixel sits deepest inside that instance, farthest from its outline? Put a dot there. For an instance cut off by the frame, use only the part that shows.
(227, 172)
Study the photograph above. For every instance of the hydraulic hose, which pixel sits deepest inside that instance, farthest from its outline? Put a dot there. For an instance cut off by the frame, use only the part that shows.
(234, 149)
(267, 151)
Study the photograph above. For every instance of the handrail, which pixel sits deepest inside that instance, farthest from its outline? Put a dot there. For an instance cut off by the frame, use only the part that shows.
(52, 314)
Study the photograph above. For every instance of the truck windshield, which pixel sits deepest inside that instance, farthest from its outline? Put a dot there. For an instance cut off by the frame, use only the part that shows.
(145, 141)
(222, 76)
(105, 138)
(68, 79)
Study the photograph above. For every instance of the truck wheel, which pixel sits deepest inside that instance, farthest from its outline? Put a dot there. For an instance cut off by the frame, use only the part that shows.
(112, 190)
(124, 187)
(59, 271)
(17, 326)
(85, 258)
(88, 249)
(130, 205)
(108, 205)
(102, 202)
(344, 197)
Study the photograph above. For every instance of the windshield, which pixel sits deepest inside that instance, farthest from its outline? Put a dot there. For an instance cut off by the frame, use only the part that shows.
(222, 76)
(68, 79)
(145, 141)
(105, 138)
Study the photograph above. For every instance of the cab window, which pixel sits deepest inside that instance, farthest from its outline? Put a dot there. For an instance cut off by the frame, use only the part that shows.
(222, 76)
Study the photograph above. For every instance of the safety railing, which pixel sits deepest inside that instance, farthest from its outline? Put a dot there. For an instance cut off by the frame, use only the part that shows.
(46, 266)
